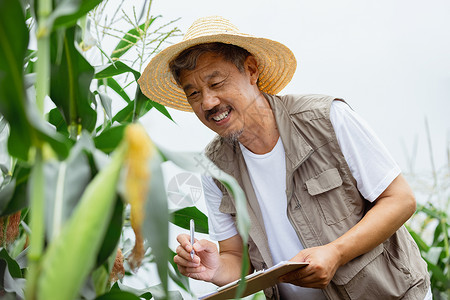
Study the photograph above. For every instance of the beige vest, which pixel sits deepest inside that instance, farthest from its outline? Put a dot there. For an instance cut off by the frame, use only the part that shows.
(323, 204)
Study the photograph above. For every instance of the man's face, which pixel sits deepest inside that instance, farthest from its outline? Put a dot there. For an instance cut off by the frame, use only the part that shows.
(220, 95)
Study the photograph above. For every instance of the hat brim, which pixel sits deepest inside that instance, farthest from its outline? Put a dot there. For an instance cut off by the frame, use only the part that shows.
(276, 64)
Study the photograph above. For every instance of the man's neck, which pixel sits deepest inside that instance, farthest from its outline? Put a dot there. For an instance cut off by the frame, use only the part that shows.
(261, 133)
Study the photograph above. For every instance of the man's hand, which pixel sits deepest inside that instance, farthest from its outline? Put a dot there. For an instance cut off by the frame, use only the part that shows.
(208, 264)
(323, 263)
(206, 260)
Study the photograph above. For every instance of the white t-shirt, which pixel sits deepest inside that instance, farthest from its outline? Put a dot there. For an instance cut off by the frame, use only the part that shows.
(369, 161)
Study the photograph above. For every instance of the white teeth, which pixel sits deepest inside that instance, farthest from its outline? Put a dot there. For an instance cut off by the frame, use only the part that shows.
(221, 116)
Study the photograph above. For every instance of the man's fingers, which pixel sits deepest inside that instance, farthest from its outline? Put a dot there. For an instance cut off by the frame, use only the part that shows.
(296, 275)
(193, 272)
(306, 277)
(184, 240)
(186, 261)
(312, 282)
(199, 245)
(184, 256)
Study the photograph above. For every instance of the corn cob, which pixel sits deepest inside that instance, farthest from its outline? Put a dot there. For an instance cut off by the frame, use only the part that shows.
(140, 150)
(71, 256)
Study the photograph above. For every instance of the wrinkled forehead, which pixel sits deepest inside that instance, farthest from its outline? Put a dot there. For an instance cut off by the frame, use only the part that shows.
(209, 67)
(188, 58)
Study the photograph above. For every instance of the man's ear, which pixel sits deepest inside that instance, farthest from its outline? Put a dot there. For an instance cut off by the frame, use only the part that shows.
(251, 66)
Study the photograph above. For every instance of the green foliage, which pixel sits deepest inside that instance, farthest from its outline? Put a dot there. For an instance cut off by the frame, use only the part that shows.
(156, 220)
(430, 226)
(433, 240)
(13, 43)
(69, 12)
(66, 172)
(71, 76)
(183, 216)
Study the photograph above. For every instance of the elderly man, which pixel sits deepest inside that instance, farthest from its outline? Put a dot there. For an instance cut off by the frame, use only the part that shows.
(321, 187)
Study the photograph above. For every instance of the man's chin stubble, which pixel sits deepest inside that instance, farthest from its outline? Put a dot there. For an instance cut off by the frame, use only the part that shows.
(233, 137)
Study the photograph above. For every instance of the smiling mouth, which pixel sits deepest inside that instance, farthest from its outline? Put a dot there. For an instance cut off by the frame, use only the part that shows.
(222, 116)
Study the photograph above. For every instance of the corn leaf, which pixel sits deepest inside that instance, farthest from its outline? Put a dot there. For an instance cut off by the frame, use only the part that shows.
(72, 255)
(106, 102)
(113, 233)
(6, 194)
(130, 38)
(108, 140)
(65, 183)
(99, 279)
(161, 108)
(437, 274)
(125, 115)
(46, 133)
(181, 280)
(430, 211)
(71, 78)
(11, 276)
(419, 241)
(156, 223)
(13, 267)
(13, 46)
(28, 125)
(115, 86)
(68, 12)
(18, 200)
(117, 68)
(433, 255)
(141, 101)
(182, 216)
(156, 291)
(55, 118)
(118, 295)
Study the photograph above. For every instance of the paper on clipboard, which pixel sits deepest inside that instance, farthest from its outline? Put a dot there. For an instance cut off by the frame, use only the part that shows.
(255, 282)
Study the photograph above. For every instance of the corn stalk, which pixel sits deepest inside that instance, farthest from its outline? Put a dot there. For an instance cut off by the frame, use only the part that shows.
(37, 202)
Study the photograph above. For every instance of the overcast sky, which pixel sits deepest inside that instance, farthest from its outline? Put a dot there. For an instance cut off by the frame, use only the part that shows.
(390, 60)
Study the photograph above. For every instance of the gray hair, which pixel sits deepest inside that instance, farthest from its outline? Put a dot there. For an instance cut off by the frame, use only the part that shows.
(187, 59)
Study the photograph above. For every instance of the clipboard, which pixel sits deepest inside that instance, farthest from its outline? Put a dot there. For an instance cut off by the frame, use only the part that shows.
(256, 281)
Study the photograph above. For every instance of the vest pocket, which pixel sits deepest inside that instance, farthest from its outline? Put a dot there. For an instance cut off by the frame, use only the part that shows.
(383, 278)
(326, 188)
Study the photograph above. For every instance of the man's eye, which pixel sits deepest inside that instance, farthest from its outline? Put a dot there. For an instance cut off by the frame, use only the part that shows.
(192, 94)
(217, 84)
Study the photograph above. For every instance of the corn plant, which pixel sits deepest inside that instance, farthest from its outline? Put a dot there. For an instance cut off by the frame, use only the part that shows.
(430, 226)
(433, 241)
(72, 182)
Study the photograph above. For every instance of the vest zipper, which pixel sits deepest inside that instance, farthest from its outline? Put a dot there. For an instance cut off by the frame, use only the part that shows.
(297, 205)
(289, 215)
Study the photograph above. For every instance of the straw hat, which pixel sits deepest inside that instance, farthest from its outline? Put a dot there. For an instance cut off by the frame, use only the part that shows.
(276, 62)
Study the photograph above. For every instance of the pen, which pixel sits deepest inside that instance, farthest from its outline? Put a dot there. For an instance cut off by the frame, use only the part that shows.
(192, 228)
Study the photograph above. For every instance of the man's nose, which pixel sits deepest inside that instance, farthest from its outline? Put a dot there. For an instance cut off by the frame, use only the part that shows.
(209, 101)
